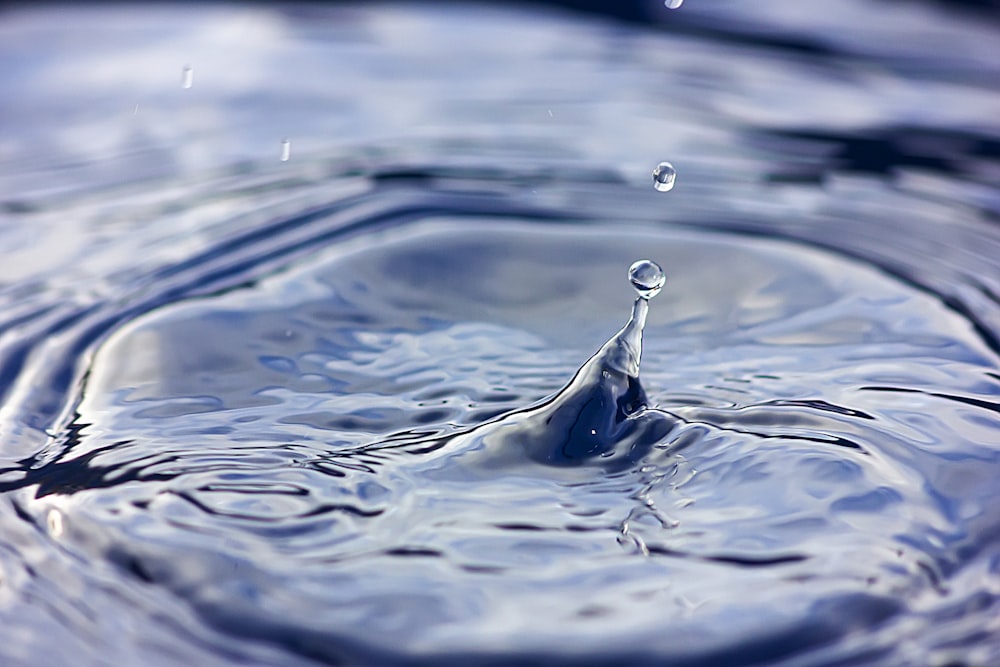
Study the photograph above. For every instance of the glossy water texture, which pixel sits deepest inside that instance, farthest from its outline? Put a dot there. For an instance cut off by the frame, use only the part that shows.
(664, 176)
(346, 408)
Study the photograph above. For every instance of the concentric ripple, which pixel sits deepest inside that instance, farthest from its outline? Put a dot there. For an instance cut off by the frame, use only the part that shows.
(241, 396)
(279, 444)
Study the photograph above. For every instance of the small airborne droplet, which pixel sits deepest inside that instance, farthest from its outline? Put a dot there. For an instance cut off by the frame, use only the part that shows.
(664, 176)
(286, 150)
(647, 278)
(672, 4)
(55, 522)
(187, 77)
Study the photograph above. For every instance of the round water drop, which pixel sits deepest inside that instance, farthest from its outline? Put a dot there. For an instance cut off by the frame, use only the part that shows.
(672, 4)
(647, 278)
(664, 176)
(187, 77)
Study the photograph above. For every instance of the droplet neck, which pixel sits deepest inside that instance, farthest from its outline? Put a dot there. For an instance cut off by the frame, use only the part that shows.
(631, 333)
(623, 352)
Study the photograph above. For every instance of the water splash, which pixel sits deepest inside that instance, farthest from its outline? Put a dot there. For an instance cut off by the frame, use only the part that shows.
(308, 577)
(600, 416)
(664, 176)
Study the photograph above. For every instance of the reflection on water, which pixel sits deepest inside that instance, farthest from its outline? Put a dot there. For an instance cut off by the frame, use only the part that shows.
(253, 408)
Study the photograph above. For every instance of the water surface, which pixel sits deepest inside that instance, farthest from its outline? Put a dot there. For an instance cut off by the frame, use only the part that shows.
(232, 381)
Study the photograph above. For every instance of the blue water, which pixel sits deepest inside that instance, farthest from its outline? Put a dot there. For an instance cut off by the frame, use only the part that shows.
(252, 409)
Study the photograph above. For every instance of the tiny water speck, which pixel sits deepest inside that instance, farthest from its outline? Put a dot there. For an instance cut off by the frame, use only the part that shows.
(664, 176)
(672, 4)
(647, 278)
(286, 150)
(187, 77)
(55, 522)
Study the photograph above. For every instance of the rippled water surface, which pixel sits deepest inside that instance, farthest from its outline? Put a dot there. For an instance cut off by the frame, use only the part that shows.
(272, 276)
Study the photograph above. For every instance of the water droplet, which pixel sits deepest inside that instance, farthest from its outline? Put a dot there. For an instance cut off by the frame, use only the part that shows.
(187, 77)
(672, 4)
(647, 278)
(664, 176)
(55, 522)
(286, 150)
